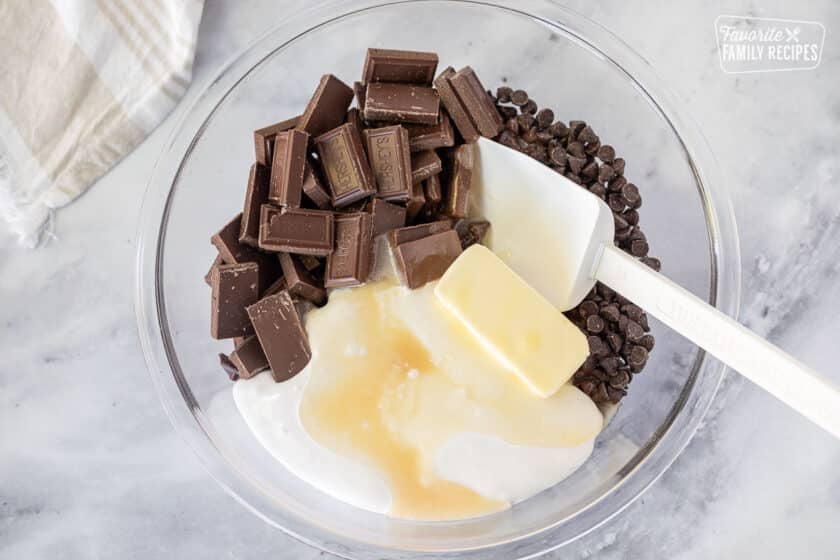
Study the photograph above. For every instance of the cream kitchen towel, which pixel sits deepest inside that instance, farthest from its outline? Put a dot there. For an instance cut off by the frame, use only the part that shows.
(82, 82)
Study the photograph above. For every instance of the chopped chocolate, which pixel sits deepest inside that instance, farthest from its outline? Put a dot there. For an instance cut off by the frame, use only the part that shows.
(401, 103)
(208, 277)
(255, 196)
(296, 230)
(314, 189)
(455, 107)
(430, 137)
(460, 179)
(424, 165)
(249, 358)
(390, 161)
(477, 102)
(327, 108)
(426, 259)
(346, 166)
(386, 216)
(281, 335)
(234, 252)
(410, 67)
(288, 167)
(229, 367)
(235, 286)
(310, 262)
(413, 233)
(299, 282)
(350, 262)
(264, 139)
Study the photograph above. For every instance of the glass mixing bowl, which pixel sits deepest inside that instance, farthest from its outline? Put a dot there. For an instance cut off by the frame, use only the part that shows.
(565, 62)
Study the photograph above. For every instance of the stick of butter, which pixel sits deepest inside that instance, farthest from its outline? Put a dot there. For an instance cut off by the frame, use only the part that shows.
(512, 321)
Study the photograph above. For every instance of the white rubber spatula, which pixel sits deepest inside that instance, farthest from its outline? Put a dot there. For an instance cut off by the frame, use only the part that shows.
(525, 201)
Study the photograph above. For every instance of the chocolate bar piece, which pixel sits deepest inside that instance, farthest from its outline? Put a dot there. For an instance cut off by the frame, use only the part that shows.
(413, 233)
(460, 179)
(434, 195)
(345, 164)
(433, 136)
(296, 230)
(234, 252)
(314, 189)
(229, 367)
(310, 262)
(281, 335)
(386, 216)
(299, 282)
(424, 165)
(350, 263)
(249, 358)
(415, 203)
(455, 107)
(327, 108)
(288, 167)
(426, 259)
(409, 67)
(355, 116)
(359, 90)
(390, 161)
(264, 139)
(208, 277)
(401, 103)
(235, 286)
(477, 102)
(255, 196)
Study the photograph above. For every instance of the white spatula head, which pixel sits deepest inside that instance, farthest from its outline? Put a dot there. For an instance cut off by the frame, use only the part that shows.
(544, 226)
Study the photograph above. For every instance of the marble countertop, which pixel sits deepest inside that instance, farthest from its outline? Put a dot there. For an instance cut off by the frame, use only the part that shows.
(91, 468)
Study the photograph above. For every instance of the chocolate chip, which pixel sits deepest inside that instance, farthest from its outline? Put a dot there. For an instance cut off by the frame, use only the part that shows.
(632, 217)
(529, 107)
(622, 234)
(576, 149)
(610, 313)
(512, 124)
(605, 173)
(592, 148)
(589, 171)
(575, 127)
(618, 220)
(575, 163)
(615, 341)
(639, 248)
(587, 308)
(545, 117)
(559, 130)
(618, 165)
(610, 364)
(598, 190)
(653, 263)
(600, 394)
(620, 380)
(544, 136)
(596, 345)
(519, 97)
(587, 135)
(525, 122)
(558, 156)
(617, 183)
(616, 202)
(633, 311)
(634, 331)
(630, 193)
(595, 324)
(508, 112)
(574, 177)
(503, 94)
(648, 342)
(606, 153)
(637, 359)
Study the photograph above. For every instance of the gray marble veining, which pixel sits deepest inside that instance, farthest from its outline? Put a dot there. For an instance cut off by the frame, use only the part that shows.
(90, 467)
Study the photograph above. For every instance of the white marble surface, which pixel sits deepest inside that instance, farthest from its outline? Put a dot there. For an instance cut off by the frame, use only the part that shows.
(90, 467)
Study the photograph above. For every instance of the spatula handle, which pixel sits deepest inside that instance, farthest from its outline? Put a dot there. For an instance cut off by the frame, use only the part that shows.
(775, 371)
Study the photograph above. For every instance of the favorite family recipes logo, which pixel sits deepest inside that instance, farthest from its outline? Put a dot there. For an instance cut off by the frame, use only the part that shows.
(750, 44)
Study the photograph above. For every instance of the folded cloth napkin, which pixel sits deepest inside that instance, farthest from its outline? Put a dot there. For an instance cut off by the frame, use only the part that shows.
(82, 82)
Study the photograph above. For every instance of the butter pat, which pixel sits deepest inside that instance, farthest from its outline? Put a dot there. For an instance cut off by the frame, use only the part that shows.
(512, 321)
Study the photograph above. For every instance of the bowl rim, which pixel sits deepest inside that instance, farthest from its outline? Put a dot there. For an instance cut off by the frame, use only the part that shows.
(192, 119)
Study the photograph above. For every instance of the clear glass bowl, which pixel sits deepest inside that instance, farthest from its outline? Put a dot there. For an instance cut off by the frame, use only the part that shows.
(565, 62)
